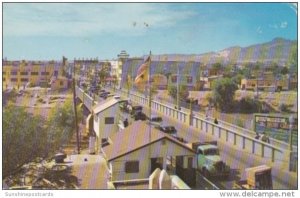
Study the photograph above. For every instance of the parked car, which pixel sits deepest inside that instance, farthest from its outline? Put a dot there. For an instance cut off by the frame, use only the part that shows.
(139, 116)
(155, 120)
(171, 130)
(135, 109)
(104, 94)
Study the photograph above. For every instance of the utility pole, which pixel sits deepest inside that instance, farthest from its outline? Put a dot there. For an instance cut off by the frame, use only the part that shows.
(75, 112)
(291, 122)
(177, 102)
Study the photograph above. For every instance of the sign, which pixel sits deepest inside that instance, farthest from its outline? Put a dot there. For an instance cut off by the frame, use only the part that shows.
(277, 122)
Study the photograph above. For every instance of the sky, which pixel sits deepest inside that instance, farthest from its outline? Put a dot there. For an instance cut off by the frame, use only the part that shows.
(48, 31)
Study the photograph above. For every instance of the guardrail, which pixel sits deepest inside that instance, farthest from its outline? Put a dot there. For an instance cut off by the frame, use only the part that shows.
(218, 131)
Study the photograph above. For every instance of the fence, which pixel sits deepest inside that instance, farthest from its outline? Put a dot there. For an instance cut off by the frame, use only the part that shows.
(231, 135)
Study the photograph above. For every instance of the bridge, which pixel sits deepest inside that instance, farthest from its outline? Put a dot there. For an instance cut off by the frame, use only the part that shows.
(275, 154)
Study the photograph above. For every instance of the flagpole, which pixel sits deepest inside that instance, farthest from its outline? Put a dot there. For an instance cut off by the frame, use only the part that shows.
(149, 87)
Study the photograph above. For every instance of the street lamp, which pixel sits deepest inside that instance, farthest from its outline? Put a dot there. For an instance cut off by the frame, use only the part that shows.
(291, 122)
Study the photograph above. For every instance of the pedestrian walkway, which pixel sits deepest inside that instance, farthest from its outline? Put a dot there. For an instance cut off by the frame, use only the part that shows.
(90, 170)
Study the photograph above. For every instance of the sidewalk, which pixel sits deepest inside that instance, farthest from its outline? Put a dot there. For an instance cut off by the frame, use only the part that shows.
(90, 170)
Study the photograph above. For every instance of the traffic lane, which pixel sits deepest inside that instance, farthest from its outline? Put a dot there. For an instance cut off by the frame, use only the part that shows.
(237, 159)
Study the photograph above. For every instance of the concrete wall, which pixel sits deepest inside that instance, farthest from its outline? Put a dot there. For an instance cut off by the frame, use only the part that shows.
(144, 157)
(103, 130)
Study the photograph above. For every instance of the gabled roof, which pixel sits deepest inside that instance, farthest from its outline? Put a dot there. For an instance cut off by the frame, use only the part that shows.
(134, 137)
(104, 105)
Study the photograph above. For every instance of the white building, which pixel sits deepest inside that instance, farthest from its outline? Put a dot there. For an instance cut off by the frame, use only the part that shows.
(136, 151)
(106, 119)
(116, 71)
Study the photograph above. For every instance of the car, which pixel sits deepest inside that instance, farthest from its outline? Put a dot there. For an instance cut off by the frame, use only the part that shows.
(104, 95)
(171, 130)
(135, 109)
(155, 120)
(139, 116)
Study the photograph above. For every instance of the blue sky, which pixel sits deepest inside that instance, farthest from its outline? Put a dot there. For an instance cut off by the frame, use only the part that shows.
(48, 31)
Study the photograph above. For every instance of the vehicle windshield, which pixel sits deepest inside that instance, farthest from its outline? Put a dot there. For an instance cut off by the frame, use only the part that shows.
(156, 119)
(211, 151)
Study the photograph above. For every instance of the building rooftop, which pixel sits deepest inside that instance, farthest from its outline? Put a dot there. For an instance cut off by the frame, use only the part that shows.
(104, 105)
(136, 136)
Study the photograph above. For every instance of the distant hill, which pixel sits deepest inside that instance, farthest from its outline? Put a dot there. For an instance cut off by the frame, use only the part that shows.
(278, 50)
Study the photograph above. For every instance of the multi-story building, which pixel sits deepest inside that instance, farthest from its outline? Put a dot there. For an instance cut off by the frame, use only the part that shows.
(116, 71)
(267, 81)
(187, 72)
(19, 74)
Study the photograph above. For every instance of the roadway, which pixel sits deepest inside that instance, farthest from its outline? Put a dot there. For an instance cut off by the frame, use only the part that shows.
(237, 159)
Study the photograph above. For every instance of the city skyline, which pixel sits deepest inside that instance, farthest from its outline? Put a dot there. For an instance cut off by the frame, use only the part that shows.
(46, 31)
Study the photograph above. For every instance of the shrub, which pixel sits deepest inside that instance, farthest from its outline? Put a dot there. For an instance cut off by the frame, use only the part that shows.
(283, 107)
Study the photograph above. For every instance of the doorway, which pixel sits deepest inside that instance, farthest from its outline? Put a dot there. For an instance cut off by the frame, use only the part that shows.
(156, 163)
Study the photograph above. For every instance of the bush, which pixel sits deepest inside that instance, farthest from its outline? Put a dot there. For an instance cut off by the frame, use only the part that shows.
(283, 107)
(223, 94)
(248, 105)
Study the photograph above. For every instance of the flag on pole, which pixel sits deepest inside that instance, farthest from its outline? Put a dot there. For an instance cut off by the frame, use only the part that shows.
(142, 76)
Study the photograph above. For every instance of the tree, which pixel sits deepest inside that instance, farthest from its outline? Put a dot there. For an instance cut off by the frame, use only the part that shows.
(104, 71)
(228, 71)
(284, 71)
(183, 92)
(168, 74)
(223, 93)
(62, 125)
(24, 138)
(246, 72)
(217, 68)
(275, 69)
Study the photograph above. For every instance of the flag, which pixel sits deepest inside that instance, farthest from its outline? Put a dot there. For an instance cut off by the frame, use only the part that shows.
(142, 76)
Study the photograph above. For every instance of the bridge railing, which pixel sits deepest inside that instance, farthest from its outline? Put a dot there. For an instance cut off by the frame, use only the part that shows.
(240, 140)
(218, 131)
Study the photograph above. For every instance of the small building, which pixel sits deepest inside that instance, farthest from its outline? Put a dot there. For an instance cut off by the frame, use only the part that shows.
(59, 83)
(106, 119)
(266, 82)
(136, 151)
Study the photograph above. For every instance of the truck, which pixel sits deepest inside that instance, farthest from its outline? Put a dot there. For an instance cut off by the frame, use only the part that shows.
(257, 178)
(209, 162)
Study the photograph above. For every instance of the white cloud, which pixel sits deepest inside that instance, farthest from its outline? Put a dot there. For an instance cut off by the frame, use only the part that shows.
(259, 30)
(85, 19)
(283, 25)
(274, 26)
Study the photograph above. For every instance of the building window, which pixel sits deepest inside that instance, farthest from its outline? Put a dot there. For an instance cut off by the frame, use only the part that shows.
(132, 167)
(61, 83)
(14, 73)
(174, 79)
(109, 120)
(45, 73)
(13, 80)
(24, 79)
(34, 73)
(189, 79)
(24, 73)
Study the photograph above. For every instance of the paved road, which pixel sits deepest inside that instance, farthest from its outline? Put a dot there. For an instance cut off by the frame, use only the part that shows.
(236, 158)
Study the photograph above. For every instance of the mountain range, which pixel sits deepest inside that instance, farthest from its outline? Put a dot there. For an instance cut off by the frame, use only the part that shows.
(279, 50)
